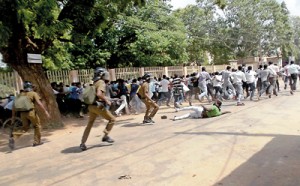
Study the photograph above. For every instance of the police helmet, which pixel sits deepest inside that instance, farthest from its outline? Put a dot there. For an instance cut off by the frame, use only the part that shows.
(146, 76)
(101, 73)
(27, 86)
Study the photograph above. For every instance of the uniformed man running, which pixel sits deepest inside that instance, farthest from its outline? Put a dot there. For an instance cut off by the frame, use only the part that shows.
(101, 77)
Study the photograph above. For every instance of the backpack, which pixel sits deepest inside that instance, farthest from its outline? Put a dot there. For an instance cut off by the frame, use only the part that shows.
(22, 103)
(89, 95)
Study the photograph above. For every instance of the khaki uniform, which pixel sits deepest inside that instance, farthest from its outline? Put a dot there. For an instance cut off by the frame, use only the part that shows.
(95, 111)
(144, 89)
(32, 117)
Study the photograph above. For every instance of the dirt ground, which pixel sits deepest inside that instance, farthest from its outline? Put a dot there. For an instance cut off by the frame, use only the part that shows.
(256, 145)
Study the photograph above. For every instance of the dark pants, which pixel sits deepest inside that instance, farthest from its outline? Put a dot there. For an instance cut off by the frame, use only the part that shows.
(164, 96)
(293, 81)
(251, 89)
(218, 92)
(273, 86)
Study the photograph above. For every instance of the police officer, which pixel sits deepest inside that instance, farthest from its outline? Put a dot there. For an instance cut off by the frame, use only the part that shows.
(31, 115)
(144, 95)
(100, 108)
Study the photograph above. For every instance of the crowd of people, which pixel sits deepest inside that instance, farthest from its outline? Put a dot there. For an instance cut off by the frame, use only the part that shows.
(148, 93)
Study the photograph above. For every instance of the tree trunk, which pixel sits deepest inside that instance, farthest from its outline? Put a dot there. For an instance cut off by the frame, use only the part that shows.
(35, 74)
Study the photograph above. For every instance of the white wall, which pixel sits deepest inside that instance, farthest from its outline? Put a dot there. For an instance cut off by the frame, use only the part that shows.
(2, 65)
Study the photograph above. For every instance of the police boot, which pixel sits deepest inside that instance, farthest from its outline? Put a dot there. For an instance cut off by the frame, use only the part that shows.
(150, 119)
(146, 120)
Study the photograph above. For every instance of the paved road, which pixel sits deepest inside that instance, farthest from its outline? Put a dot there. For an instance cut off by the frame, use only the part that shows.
(257, 144)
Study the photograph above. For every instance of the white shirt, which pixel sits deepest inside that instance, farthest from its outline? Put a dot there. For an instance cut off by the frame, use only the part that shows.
(164, 85)
(239, 77)
(9, 105)
(250, 76)
(226, 75)
(203, 77)
(217, 81)
(273, 70)
(286, 70)
(55, 92)
(293, 69)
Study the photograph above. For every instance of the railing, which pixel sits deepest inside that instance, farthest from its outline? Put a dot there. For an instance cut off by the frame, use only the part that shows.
(12, 79)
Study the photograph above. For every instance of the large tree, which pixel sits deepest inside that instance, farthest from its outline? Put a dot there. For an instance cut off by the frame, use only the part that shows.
(144, 36)
(33, 26)
(241, 28)
(295, 23)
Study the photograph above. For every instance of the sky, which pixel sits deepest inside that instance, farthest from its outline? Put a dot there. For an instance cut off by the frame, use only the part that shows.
(293, 5)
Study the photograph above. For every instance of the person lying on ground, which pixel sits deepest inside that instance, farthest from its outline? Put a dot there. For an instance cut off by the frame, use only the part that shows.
(202, 111)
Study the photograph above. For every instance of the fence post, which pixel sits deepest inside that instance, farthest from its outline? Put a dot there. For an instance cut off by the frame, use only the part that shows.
(112, 73)
(166, 71)
(73, 76)
(141, 71)
(18, 81)
(185, 72)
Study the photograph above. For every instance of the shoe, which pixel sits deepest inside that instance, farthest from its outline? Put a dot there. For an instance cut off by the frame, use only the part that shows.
(83, 147)
(147, 122)
(107, 139)
(270, 96)
(150, 119)
(117, 114)
(291, 92)
(190, 103)
(37, 144)
(240, 104)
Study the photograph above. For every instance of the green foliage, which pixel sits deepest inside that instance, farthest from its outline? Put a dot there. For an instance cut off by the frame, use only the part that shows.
(295, 24)
(72, 34)
(240, 29)
(147, 36)
(58, 56)
(160, 37)
(53, 28)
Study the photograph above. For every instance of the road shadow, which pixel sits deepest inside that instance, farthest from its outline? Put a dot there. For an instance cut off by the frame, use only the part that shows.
(76, 149)
(136, 125)
(276, 164)
(70, 150)
(19, 144)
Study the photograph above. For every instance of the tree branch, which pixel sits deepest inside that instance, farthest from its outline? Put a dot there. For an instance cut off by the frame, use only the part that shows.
(63, 40)
(29, 41)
